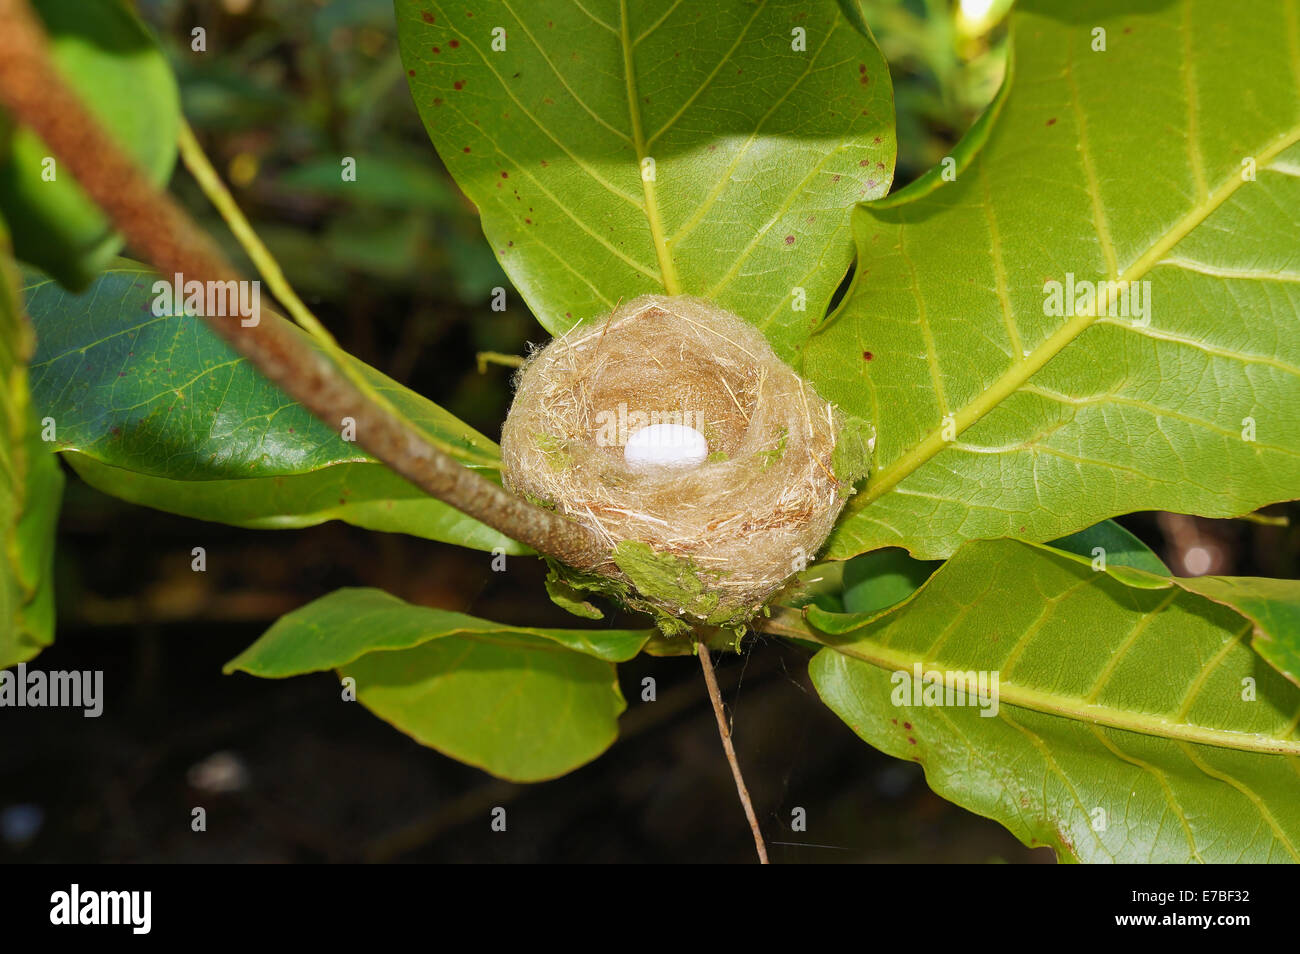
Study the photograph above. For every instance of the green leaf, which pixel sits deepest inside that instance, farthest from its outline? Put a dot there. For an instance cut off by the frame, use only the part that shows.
(31, 546)
(111, 62)
(961, 154)
(522, 703)
(31, 487)
(1272, 606)
(345, 625)
(877, 580)
(564, 595)
(853, 12)
(997, 418)
(1133, 722)
(759, 149)
(517, 706)
(1117, 545)
(880, 579)
(160, 411)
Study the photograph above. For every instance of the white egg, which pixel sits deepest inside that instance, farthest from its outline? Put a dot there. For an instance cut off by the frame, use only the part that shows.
(665, 446)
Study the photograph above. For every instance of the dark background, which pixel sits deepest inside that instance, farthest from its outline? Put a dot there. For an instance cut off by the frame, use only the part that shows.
(402, 276)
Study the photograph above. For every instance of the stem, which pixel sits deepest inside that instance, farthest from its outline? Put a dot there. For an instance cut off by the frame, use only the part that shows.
(496, 357)
(715, 696)
(157, 228)
(196, 161)
(1266, 520)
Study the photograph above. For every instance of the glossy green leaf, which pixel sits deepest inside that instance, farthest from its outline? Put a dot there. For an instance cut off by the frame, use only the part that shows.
(31, 487)
(340, 628)
(1109, 541)
(1272, 606)
(615, 148)
(522, 703)
(517, 706)
(961, 154)
(1133, 722)
(112, 63)
(160, 411)
(882, 578)
(996, 417)
(871, 582)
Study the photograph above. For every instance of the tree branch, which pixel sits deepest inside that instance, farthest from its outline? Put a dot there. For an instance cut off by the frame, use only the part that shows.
(160, 231)
(715, 696)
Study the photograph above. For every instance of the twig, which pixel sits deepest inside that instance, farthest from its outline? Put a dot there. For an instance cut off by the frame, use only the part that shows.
(484, 358)
(157, 228)
(715, 696)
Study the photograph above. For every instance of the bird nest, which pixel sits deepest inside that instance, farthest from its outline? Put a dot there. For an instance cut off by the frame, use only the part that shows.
(706, 540)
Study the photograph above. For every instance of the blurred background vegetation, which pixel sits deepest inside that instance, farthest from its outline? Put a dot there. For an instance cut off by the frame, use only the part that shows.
(396, 266)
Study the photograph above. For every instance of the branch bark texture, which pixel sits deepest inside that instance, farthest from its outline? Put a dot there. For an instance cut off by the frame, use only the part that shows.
(162, 233)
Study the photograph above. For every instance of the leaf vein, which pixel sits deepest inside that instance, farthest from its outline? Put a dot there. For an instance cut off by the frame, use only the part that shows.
(699, 90)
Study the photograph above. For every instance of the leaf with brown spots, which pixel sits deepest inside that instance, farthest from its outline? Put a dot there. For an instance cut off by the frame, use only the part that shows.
(758, 148)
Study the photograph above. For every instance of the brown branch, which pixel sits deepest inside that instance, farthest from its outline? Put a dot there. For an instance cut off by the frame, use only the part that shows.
(160, 231)
(715, 696)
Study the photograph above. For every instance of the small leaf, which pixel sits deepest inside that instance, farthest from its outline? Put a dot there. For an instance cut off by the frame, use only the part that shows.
(566, 597)
(519, 702)
(340, 628)
(1273, 606)
(876, 580)
(1117, 545)
(517, 706)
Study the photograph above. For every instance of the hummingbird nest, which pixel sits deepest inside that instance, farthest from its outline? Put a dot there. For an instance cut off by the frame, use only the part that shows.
(707, 534)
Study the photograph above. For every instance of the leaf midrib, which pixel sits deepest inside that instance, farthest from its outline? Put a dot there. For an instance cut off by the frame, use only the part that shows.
(1021, 371)
(668, 271)
(1073, 708)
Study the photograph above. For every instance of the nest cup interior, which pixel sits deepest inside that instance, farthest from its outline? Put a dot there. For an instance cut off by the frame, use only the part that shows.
(692, 387)
(763, 500)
